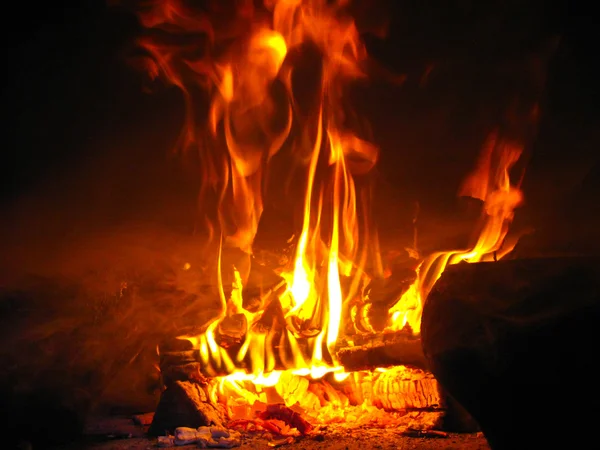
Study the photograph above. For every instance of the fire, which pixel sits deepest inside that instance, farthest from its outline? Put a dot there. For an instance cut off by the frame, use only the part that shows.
(241, 141)
(489, 182)
(258, 111)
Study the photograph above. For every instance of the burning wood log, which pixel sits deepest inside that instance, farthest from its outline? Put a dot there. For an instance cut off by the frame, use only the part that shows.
(399, 388)
(382, 350)
(177, 357)
(366, 352)
(513, 341)
(383, 292)
(405, 386)
(396, 389)
(402, 388)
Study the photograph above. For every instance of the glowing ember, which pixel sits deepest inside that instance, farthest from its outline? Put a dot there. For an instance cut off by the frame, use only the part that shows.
(251, 71)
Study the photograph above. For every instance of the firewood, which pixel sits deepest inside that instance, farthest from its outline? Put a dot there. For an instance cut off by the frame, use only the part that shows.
(175, 365)
(188, 358)
(402, 388)
(388, 290)
(185, 404)
(399, 388)
(502, 335)
(181, 372)
(383, 350)
(177, 358)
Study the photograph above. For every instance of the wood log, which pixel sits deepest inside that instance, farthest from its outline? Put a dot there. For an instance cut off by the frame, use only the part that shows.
(514, 343)
(176, 358)
(402, 388)
(383, 350)
(175, 365)
(383, 293)
(185, 404)
(399, 388)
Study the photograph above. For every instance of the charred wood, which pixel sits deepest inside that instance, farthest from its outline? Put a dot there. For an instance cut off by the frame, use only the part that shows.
(387, 291)
(177, 358)
(262, 281)
(393, 349)
(401, 389)
(503, 333)
(383, 350)
(181, 372)
(185, 404)
(396, 389)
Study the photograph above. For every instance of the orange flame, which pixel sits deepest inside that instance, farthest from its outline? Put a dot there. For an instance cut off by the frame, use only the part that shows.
(247, 125)
(489, 182)
(250, 66)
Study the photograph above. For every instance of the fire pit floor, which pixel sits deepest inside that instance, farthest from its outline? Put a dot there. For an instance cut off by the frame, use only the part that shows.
(117, 433)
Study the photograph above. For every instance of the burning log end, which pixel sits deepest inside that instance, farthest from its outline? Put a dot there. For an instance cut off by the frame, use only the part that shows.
(413, 392)
(396, 349)
(403, 388)
(389, 290)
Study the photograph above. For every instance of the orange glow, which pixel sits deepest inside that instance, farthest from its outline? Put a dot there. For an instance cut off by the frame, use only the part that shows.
(256, 114)
(489, 182)
(246, 126)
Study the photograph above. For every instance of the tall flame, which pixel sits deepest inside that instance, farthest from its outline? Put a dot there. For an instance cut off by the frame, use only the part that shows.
(265, 103)
(248, 123)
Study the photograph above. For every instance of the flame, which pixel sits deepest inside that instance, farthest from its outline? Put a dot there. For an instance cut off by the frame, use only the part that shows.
(245, 67)
(489, 182)
(257, 112)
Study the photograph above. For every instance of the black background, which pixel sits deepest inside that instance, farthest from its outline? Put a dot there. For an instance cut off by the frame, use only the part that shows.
(82, 142)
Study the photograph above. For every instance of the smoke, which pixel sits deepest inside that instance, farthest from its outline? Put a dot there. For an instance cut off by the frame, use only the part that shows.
(80, 327)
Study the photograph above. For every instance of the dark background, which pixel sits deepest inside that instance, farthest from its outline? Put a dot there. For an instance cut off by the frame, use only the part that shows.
(86, 153)
(85, 145)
